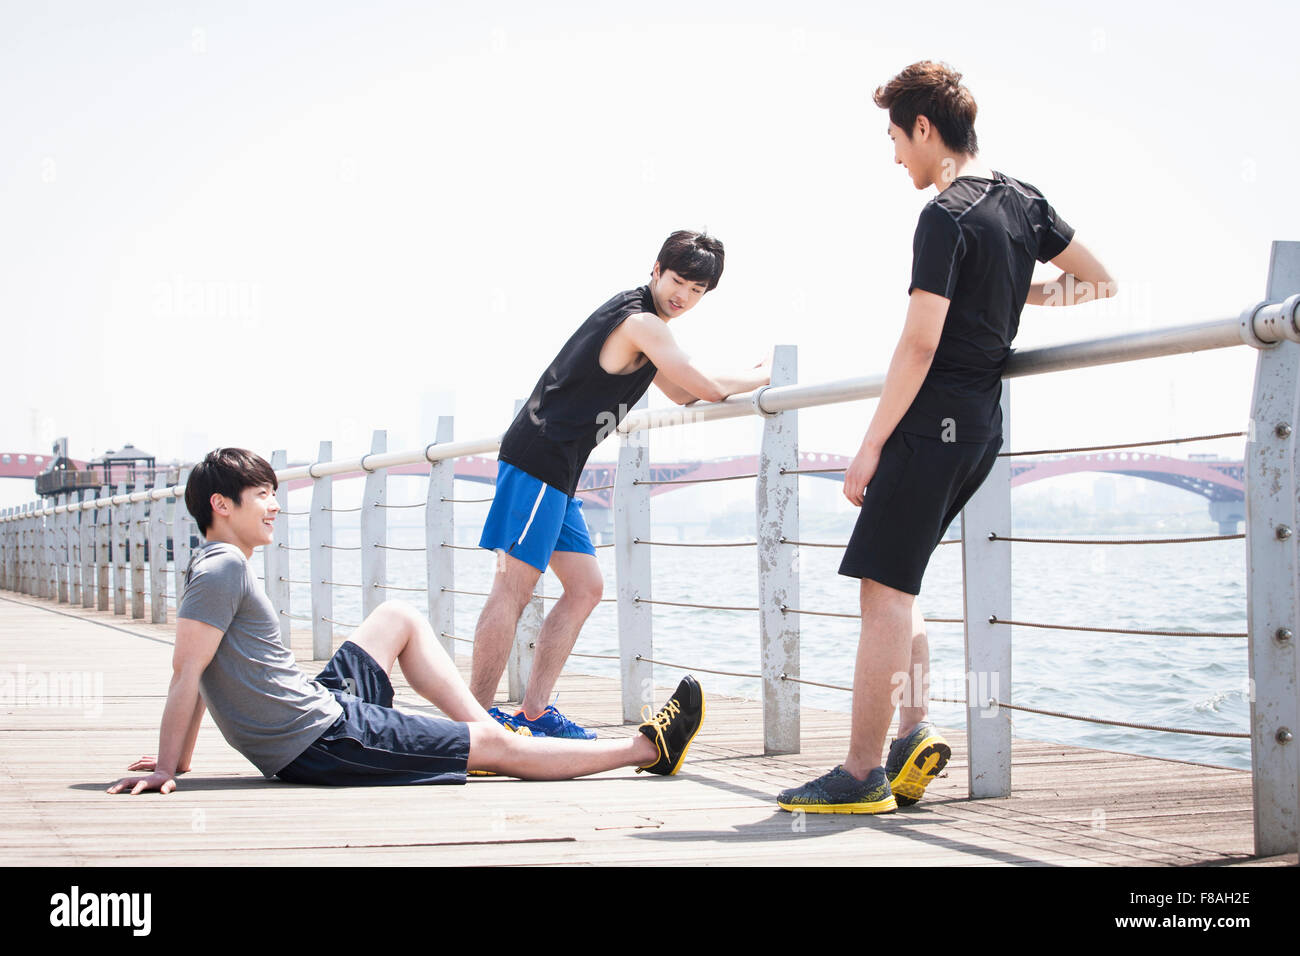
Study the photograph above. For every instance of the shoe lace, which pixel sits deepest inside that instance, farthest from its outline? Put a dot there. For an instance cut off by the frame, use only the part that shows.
(661, 721)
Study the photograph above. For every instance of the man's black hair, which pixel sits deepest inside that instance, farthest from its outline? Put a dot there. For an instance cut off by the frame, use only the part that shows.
(695, 256)
(224, 471)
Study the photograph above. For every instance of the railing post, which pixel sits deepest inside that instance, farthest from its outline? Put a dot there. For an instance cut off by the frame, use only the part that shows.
(320, 533)
(374, 530)
(139, 522)
(121, 544)
(777, 511)
(1272, 570)
(632, 569)
(24, 550)
(275, 561)
(158, 554)
(33, 551)
(76, 562)
(440, 531)
(88, 517)
(103, 550)
(60, 522)
(182, 527)
(46, 524)
(5, 524)
(986, 583)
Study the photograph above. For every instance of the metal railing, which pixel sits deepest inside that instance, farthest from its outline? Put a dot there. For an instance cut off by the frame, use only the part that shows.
(38, 544)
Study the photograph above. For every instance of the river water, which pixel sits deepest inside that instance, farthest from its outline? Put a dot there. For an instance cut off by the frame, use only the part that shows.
(1185, 681)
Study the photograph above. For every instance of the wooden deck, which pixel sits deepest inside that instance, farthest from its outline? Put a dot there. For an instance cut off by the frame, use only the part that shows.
(1069, 806)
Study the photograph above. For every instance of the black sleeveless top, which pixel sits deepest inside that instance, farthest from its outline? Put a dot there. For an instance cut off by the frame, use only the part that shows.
(576, 404)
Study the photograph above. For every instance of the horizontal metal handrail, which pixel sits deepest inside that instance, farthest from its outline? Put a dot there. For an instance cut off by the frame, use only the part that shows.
(1260, 326)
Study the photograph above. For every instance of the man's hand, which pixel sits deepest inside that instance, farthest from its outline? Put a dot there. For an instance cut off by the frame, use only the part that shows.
(860, 473)
(150, 764)
(162, 782)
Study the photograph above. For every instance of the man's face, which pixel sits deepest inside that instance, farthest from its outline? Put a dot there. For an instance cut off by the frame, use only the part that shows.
(674, 295)
(909, 154)
(252, 517)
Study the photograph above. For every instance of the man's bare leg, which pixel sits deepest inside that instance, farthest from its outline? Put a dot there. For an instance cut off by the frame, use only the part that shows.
(512, 589)
(884, 651)
(395, 631)
(583, 584)
(493, 748)
(915, 702)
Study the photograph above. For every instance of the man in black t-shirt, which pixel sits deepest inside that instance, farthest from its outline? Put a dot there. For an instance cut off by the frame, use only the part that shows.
(536, 520)
(938, 426)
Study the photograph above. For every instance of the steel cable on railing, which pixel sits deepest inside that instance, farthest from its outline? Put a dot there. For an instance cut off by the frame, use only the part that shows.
(702, 670)
(1135, 444)
(690, 481)
(544, 597)
(994, 536)
(708, 607)
(994, 619)
(394, 587)
(693, 544)
(466, 501)
(339, 623)
(341, 510)
(393, 547)
(994, 702)
(831, 544)
(418, 504)
(786, 609)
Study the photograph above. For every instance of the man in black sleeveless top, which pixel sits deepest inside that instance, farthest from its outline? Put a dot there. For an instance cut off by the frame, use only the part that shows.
(938, 427)
(536, 520)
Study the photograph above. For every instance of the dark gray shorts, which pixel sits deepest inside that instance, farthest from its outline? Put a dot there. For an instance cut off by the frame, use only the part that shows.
(920, 486)
(371, 744)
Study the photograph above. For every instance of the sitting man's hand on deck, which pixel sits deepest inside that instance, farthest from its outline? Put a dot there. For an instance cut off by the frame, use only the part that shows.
(162, 782)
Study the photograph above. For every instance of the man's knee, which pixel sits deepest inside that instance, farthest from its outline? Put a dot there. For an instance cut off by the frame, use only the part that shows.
(401, 614)
(586, 591)
(877, 598)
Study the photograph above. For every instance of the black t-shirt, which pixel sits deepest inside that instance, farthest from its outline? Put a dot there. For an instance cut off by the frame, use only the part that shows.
(576, 403)
(975, 245)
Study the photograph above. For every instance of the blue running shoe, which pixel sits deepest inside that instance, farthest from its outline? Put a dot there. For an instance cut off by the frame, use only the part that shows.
(512, 723)
(552, 723)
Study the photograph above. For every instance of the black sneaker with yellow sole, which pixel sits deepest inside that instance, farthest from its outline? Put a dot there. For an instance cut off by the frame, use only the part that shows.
(841, 792)
(675, 726)
(914, 761)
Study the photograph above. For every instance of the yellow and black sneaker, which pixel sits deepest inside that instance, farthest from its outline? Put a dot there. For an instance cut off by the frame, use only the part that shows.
(675, 726)
(914, 761)
(841, 792)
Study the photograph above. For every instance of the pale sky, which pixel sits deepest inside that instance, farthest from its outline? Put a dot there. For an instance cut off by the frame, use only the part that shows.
(272, 224)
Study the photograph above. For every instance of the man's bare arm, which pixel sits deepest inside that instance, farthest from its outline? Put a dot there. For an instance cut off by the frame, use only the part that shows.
(196, 643)
(1083, 278)
(910, 364)
(686, 383)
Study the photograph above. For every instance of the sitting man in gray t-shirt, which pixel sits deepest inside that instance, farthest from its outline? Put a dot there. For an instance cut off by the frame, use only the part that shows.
(341, 728)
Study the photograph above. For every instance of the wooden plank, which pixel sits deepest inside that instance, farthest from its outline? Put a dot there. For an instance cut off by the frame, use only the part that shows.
(1068, 806)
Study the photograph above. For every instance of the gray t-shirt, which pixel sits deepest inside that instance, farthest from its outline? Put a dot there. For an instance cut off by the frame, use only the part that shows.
(264, 706)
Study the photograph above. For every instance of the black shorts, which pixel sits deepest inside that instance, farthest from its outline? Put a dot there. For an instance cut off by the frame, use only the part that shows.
(371, 744)
(920, 486)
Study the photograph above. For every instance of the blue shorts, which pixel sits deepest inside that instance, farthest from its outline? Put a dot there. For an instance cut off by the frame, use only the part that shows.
(529, 519)
(371, 744)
